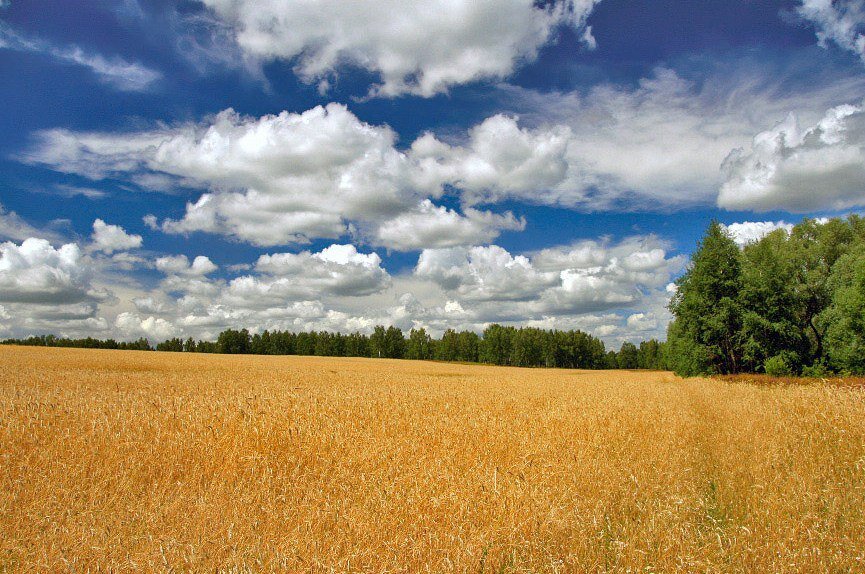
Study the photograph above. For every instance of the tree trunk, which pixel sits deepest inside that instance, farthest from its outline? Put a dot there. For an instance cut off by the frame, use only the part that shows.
(819, 351)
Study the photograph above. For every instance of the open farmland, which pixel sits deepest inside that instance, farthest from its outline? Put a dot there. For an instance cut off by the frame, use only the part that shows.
(132, 461)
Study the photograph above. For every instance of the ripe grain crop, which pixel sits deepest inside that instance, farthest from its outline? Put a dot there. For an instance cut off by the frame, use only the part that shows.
(115, 461)
(831, 380)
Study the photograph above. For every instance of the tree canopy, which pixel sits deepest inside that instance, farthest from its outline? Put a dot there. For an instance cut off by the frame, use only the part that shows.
(787, 303)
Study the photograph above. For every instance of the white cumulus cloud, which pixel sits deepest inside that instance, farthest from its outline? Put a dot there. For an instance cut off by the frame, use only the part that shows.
(800, 169)
(110, 238)
(291, 178)
(656, 146)
(338, 269)
(421, 47)
(437, 226)
(274, 180)
(584, 277)
(132, 325)
(501, 160)
(180, 265)
(642, 322)
(36, 272)
(483, 273)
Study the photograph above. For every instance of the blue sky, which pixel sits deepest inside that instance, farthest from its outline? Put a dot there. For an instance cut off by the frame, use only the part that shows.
(176, 168)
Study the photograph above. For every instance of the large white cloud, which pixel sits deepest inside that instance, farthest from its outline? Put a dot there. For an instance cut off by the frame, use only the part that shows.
(36, 272)
(340, 288)
(484, 273)
(421, 47)
(429, 225)
(281, 291)
(290, 178)
(180, 265)
(132, 325)
(47, 289)
(501, 160)
(584, 277)
(273, 180)
(284, 179)
(657, 146)
(338, 269)
(800, 169)
(612, 276)
(642, 322)
(838, 21)
(593, 285)
(110, 238)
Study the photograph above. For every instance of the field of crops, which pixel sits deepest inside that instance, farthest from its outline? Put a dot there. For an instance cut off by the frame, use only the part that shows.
(134, 461)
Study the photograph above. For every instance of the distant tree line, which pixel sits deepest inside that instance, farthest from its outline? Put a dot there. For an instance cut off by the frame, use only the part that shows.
(498, 345)
(790, 303)
(141, 344)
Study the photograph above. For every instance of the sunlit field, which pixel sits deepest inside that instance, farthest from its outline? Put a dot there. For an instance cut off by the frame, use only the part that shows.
(133, 461)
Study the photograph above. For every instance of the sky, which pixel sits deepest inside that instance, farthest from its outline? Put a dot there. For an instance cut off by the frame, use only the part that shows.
(175, 168)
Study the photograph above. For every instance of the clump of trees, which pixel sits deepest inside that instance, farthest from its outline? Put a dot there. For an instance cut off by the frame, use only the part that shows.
(786, 304)
(497, 345)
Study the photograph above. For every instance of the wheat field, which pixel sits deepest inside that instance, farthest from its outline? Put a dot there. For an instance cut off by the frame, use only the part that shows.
(121, 461)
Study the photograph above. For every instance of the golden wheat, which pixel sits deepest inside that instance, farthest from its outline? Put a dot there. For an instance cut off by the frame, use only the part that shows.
(126, 461)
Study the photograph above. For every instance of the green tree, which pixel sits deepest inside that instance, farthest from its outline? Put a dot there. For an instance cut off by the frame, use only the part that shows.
(173, 345)
(394, 343)
(770, 305)
(283, 343)
(628, 356)
(467, 346)
(527, 348)
(357, 345)
(844, 320)
(649, 355)
(708, 315)
(496, 345)
(815, 247)
(419, 346)
(378, 342)
(233, 342)
(448, 347)
(305, 343)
